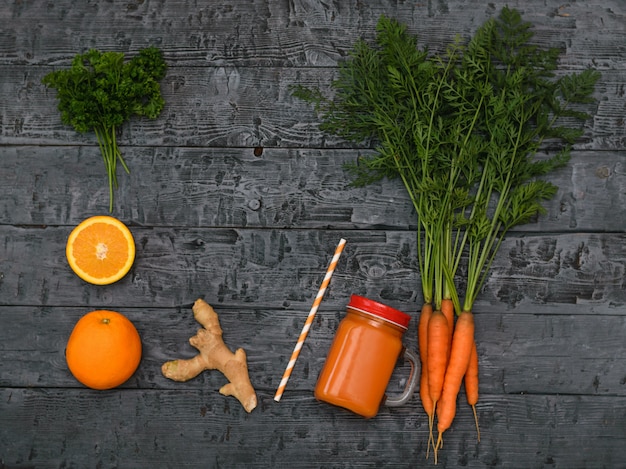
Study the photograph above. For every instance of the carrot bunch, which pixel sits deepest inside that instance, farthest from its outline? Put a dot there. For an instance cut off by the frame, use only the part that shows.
(450, 359)
(462, 130)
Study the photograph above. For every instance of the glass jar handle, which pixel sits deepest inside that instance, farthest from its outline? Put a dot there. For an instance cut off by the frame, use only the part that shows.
(403, 398)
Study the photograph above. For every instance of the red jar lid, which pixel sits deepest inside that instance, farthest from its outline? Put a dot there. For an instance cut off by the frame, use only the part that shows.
(374, 308)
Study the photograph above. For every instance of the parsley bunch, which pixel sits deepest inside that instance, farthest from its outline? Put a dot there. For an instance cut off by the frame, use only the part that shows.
(99, 92)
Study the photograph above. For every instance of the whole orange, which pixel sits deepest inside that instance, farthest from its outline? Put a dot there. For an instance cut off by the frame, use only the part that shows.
(103, 350)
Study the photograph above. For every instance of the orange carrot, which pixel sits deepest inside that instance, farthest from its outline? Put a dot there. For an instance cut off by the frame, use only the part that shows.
(462, 342)
(429, 407)
(437, 354)
(471, 384)
(422, 333)
(447, 308)
(422, 342)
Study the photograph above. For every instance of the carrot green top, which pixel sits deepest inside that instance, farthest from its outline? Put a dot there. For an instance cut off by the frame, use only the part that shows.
(462, 131)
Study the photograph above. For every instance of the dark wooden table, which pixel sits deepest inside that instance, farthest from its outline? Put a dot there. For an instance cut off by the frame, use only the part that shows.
(235, 196)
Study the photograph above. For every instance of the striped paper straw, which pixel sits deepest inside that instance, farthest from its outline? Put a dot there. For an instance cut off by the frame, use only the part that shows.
(309, 320)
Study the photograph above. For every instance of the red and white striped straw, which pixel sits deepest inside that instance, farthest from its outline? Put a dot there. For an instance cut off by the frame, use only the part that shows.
(309, 320)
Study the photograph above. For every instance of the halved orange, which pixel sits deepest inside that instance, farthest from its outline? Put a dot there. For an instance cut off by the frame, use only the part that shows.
(100, 250)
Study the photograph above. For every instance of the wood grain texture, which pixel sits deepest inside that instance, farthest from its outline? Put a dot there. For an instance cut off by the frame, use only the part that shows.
(149, 428)
(283, 268)
(237, 197)
(235, 106)
(288, 34)
(281, 188)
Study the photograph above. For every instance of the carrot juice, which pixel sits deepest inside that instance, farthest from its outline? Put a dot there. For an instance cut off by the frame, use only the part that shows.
(362, 357)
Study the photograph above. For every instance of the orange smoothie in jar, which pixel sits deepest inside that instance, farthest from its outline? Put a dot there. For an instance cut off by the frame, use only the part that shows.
(362, 357)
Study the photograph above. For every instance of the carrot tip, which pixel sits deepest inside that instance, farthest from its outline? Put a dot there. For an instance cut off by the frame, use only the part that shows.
(438, 445)
(431, 440)
(476, 420)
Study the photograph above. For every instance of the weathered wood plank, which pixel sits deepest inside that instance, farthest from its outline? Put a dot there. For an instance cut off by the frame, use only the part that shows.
(300, 33)
(146, 429)
(519, 353)
(210, 187)
(566, 273)
(237, 267)
(236, 106)
(206, 187)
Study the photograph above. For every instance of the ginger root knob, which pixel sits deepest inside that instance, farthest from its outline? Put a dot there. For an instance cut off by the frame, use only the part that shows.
(214, 355)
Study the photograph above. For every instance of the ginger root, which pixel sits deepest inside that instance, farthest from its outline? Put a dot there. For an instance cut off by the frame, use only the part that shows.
(214, 355)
